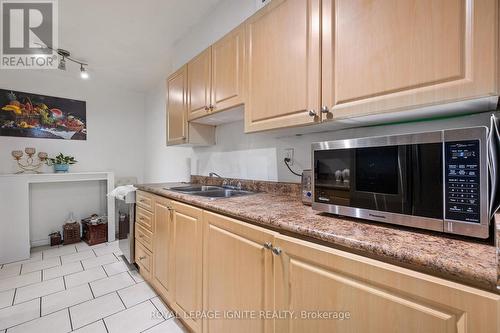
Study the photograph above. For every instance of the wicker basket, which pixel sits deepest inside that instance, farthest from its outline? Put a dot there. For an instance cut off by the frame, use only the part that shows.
(55, 238)
(71, 233)
(94, 233)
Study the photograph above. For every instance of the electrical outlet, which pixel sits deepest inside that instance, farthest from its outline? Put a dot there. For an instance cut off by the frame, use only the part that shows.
(289, 155)
(261, 3)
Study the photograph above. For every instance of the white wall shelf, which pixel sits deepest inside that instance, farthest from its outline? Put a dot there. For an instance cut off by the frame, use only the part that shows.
(15, 208)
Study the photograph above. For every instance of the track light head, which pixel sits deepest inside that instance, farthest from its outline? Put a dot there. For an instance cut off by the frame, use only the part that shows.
(62, 64)
(83, 72)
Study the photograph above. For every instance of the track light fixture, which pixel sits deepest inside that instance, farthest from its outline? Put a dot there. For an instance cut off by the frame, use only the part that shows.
(66, 55)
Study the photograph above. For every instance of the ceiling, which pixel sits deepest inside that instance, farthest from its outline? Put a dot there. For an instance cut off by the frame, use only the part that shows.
(127, 42)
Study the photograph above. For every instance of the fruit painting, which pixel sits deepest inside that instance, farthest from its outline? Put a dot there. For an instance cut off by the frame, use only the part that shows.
(38, 116)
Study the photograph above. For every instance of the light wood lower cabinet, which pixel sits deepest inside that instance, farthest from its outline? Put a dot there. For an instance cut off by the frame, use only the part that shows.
(162, 278)
(237, 274)
(311, 279)
(187, 263)
(204, 263)
(143, 258)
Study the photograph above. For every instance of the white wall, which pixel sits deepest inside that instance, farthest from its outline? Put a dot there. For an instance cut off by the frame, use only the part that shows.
(115, 123)
(115, 142)
(162, 163)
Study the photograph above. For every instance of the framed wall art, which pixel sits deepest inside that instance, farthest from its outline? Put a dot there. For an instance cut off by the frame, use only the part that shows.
(38, 116)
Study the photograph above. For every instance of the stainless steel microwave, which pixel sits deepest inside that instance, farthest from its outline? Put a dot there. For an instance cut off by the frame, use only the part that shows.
(434, 180)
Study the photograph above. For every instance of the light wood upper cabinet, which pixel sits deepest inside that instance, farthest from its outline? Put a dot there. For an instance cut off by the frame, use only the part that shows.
(179, 130)
(162, 247)
(237, 274)
(390, 55)
(177, 107)
(187, 263)
(216, 76)
(283, 65)
(379, 297)
(199, 76)
(228, 56)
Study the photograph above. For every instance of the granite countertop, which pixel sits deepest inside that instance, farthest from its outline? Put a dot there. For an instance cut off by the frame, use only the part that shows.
(464, 261)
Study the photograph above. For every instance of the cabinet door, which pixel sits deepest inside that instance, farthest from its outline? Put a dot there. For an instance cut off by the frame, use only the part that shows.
(162, 247)
(187, 251)
(392, 55)
(227, 70)
(199, 75)
(283, 65)
(177, 107)
(237, 274)
(378, 297)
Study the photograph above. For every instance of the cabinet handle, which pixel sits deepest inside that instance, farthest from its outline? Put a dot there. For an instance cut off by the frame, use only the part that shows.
(212, 107)
(277, 251)
(313, 113)
(141, 218)
(207, 108)
(142, 258)
(324, 109)
(268, 245)
(140, 236)
(142, 200)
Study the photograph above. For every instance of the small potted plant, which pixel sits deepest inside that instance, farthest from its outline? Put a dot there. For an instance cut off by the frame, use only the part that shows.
(61, 162)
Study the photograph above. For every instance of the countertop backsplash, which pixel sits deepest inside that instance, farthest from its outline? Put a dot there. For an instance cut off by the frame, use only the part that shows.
(292, 189)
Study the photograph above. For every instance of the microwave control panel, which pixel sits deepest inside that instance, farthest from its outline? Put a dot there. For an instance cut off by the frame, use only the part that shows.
(462, 179)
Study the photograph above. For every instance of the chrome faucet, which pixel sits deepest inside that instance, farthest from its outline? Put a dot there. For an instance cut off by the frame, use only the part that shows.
(213, 174)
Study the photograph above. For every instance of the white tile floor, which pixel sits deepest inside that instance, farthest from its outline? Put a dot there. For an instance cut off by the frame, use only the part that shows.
(77, 288)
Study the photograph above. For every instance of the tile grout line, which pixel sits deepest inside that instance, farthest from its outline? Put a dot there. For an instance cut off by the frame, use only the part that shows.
(81, 263)
(116, 291)
(159, 311)
(70, 321)
(91, 290)
(14, 298)
(105, 326)
(40, 307)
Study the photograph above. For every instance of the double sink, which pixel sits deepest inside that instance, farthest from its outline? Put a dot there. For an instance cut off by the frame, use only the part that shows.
(212, 192)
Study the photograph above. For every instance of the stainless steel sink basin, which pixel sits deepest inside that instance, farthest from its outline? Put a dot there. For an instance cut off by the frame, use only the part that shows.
(194, 188)
(223, 193)
(212, 192)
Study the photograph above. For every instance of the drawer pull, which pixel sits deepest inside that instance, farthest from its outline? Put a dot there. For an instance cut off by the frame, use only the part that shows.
(140, 236)
(142, 200)
(268, 245)
(142, 258)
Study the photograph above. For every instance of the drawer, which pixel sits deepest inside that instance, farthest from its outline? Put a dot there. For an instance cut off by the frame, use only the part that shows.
(144, 218)
(144, 236)
(144, 200)
(143, 259)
